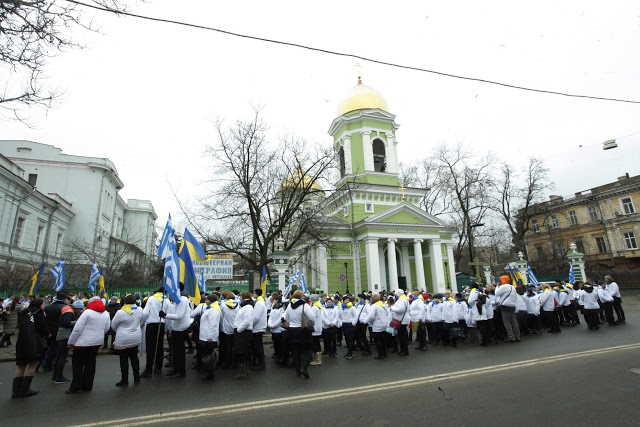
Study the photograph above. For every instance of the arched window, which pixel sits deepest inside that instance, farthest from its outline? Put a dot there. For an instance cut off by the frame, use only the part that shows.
(379, 156)
(341, 160)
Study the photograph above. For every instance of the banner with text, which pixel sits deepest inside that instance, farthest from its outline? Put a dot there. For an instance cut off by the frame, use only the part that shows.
(216, 267)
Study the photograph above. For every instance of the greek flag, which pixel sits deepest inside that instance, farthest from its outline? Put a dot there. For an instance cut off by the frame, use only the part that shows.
(532, 277)
(168, 236)
(572, 276)
(303, 284)
(201, 283)
(171, 279)
(58, 274)
(293, 280)
(94, 277)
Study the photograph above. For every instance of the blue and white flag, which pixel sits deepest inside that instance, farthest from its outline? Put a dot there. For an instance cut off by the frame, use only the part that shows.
(532, 277)
(572, 276)
(201, 283)
(58, 274)
(94, 277)
(171, 279)
(303, 284)
(168, 236)
(293, 280)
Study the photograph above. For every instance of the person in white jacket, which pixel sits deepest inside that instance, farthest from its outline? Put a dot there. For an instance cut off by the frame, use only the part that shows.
(506, 297)
(86, 338)
(589, 300)
(329, 329)
(478, 303)
(127, 325)
(606, 302)
(154, 332)
(243, 328)
(417, 312)
(208, 335)
(349, 318)
(180, 317)
(614, 290)
(275, 326)
(316, 315)
(229, 308)
(379, 320)
(362, 309)
(400, 311)
(259, 327)
(547, 303)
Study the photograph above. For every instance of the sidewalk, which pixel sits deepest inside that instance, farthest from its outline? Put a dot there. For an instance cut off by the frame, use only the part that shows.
(8, 354)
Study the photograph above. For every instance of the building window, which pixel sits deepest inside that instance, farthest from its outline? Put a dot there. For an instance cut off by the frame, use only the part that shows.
(593, 213)
(59, 243)
(39, 237)
(535, 226)
(630, 240)
(580, 246)
(602, 246)
(368, 207)
(342, 163)
(17, 238)
(573, 218)
(562, 250)
(345, 211)
(33, 179)
(554, 221)
(540, 252)
(627, 206)
(379, 156)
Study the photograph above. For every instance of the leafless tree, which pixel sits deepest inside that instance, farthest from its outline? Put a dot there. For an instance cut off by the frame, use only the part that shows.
(31, 32)
(514, 197)
(432, 177)
(469, 181)
(260, 191)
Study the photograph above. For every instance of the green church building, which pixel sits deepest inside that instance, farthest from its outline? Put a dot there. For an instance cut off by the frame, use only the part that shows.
(380, 238)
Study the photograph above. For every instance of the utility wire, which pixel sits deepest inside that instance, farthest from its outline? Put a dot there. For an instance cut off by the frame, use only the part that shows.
(350, 55)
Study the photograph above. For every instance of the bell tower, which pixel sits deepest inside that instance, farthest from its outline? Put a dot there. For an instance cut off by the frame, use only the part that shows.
(364, 138)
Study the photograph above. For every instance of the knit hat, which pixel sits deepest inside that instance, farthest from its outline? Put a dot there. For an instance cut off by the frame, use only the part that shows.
(77, 304)
(505, 280)
(314, 297)
(94, 299)
(399, 292)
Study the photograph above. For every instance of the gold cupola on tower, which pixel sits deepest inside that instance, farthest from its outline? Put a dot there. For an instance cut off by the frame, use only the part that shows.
(362, 97)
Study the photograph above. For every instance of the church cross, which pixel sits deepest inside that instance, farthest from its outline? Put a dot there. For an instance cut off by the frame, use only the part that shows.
(476, 263)
(402, 188)
(358, 66)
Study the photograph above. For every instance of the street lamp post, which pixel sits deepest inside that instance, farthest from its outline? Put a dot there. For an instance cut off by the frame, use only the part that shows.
(346, 275)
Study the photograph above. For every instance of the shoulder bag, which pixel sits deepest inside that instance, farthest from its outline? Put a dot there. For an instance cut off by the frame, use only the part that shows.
(395, 323)
(307, 325)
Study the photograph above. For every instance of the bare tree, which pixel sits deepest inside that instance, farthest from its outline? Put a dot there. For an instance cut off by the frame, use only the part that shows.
(514, 201)
(469, 181)
(429, 175)
(31, 32)
(261, 192)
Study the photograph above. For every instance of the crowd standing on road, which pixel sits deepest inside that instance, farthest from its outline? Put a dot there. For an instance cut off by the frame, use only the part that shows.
(228, 327)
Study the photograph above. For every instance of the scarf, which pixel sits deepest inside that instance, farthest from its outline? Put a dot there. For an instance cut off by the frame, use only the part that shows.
(260, 298)
(96, 306)
(215, 305)
(433, 304)
(317, 304)
(129, 308)
(403, 296)
(158, 296)
(347, 305)
(379, 303)
(231, 303)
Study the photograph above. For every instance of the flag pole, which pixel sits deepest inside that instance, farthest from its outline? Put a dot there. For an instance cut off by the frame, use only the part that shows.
(155, 350)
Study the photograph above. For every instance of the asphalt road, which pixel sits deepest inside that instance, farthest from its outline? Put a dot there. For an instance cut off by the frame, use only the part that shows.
(545, 379)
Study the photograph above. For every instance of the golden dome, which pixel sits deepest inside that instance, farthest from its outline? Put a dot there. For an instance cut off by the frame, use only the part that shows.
(299, 179)
(361, 97)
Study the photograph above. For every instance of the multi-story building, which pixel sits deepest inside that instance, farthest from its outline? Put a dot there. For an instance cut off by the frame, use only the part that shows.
(104, 227)
(603, 222)
(32, 224)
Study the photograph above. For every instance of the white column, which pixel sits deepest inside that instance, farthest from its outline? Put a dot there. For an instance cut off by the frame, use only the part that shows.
(347, 155)
(314, 269)
(452, 266)
(392, 154)
(367, 150)
(417, 254)
(383, 269)
(373, 263)
(406, 265)
(437, 269)
(321, 265)
(391, 261)
(355, 260)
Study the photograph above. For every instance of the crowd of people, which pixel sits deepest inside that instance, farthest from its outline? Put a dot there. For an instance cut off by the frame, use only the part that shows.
(227, 327)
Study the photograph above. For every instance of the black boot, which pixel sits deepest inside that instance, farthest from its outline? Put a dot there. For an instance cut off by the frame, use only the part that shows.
(260, 366)
(17, 382)
(305, 358)
(25, 388)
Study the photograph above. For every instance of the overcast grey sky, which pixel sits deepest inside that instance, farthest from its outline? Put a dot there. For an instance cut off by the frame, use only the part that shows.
(143, 93)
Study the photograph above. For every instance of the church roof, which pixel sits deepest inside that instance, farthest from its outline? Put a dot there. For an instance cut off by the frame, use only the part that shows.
(298, 180)
(362, 97)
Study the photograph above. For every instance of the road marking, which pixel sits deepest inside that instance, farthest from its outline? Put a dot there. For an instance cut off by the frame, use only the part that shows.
(349, 392)
(635, 370)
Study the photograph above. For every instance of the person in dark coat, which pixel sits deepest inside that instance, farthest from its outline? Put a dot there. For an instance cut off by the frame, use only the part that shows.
(112, 308)
(52, 313)
(33, 334)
